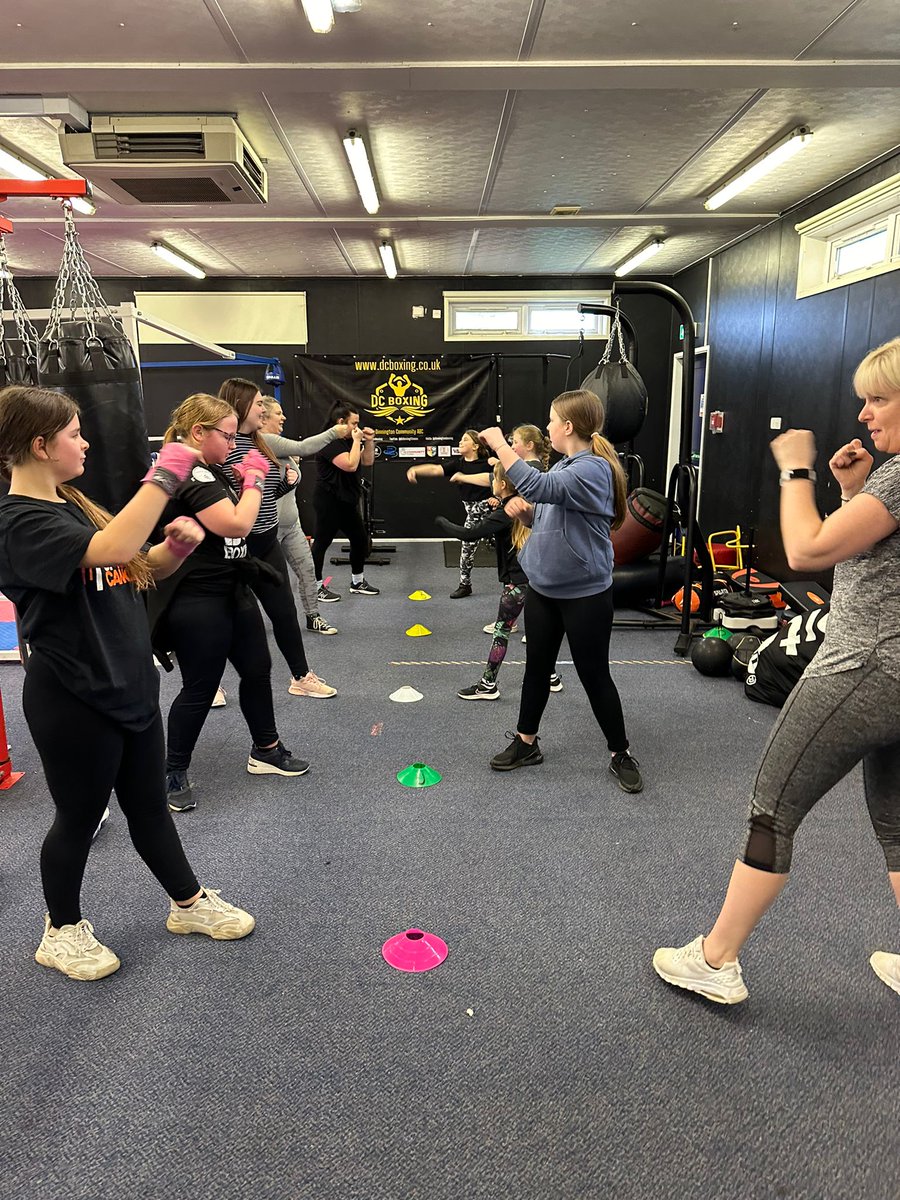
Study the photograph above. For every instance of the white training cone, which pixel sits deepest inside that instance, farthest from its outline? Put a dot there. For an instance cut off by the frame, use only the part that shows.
(406, 695)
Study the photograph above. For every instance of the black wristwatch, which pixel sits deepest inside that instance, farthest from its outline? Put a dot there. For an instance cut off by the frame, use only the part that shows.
(798, 473)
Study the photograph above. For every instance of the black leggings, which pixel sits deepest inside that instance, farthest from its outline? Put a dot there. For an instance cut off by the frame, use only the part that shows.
(278, 601)
(587, 623)
(204, 632)
(85, 756)
(333, 516)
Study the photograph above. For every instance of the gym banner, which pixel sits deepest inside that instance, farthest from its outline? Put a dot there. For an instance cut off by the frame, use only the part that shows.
(418, 406)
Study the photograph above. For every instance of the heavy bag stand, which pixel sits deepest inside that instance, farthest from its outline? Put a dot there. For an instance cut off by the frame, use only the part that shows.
(681, 497)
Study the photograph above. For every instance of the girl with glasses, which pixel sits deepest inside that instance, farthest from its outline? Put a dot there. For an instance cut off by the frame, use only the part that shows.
(206, 613)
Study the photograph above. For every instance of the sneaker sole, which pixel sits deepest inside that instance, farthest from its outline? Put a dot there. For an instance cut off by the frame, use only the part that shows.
(328, 600)
(480, 696)
(632, 789)
(258, 768)
(324, 632)
(688, 986)
(530, 761)
(313, 695)
(352, 593)
(218, 935)
(557, 690)
(883, 975)
(188, 807)
(47, 960)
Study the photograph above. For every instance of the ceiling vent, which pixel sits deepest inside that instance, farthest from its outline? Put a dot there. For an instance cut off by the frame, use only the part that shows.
(565, 210)
(168, 160)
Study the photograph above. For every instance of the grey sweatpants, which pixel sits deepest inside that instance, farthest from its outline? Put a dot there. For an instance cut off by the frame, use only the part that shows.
(828, 725)
(297, 552)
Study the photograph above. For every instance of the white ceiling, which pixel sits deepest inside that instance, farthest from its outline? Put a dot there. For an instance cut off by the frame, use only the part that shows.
(480, 117)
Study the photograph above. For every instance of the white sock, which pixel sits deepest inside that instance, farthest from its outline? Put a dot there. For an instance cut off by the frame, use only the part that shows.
(356, 579)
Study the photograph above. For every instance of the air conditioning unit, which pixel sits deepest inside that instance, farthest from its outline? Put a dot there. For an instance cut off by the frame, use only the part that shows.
(168, 160)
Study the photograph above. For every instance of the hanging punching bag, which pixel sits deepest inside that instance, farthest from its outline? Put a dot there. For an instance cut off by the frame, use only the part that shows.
(92, 360)
(620, 388)
(18, 355)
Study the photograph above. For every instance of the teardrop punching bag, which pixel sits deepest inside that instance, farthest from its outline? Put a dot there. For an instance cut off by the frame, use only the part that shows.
(93, 361)
(620, 389)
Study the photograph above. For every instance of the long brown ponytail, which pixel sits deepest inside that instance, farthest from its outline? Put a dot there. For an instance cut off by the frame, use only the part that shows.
(585, 411)
(240, 394)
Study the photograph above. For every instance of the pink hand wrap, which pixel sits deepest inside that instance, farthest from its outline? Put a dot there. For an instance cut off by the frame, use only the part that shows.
(252, 469)
(172, 467)
(178, 548)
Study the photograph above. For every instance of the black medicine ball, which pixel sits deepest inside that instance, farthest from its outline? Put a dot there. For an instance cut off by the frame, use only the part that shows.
(745, 646)
(712, 655)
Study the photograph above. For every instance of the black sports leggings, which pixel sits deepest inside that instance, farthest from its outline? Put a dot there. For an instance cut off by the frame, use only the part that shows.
(278, 601)
(204, 632)
(85, 756)
(587, 622)
(333, 516)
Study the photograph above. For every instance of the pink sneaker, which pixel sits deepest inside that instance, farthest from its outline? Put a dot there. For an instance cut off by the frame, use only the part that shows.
(311, 685)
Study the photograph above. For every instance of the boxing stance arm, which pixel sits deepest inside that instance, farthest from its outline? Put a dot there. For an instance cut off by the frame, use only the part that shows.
(232, 520)
(495, 523)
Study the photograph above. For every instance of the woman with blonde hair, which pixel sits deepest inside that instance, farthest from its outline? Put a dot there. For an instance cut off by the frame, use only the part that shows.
(568, 561)
(846, 707)
(207, 614)
(272, 588)
(91, 691)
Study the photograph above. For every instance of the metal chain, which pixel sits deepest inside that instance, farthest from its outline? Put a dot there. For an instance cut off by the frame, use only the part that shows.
(76, 288)
(615, 334)
(26, 332)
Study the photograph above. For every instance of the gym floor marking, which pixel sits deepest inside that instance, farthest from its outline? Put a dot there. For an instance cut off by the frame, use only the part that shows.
(514, 662)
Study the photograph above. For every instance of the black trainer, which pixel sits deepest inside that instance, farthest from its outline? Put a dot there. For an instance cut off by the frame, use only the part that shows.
(625, 769)
(464, 589)
(363, 588)
(179, 792)
(480, 691)
(556, 684)
(277, 761)
(517, 754)
(325, 596)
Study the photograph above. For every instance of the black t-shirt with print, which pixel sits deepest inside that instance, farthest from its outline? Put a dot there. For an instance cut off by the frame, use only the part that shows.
(469, 492)
(331, 481)
(210, 569)
(89, 624)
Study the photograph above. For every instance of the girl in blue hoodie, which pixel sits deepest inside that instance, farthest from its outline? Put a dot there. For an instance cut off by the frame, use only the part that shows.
(568, 561)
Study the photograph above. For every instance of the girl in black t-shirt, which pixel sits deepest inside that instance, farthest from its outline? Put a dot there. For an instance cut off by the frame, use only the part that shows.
(207, 614)
(471, 472)
(91, 692)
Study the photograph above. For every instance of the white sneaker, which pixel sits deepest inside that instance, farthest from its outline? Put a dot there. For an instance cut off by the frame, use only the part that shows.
(219, 700)
(212, 915)
(75, 951)
(686, 967)
(887, 968)
(490, 628)
(311, 685)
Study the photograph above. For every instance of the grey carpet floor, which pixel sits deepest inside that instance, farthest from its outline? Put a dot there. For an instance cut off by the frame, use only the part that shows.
(543, 1058)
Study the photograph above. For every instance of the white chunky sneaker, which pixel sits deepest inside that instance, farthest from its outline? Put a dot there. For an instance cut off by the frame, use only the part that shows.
(75, 951)
(212, 915)
(887, 968)
(686, 967)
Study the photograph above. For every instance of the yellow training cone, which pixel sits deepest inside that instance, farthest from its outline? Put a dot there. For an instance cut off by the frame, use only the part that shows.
(419, 596)
(418, 631)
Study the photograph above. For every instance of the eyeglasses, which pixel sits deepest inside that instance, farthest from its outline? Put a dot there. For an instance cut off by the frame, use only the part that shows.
(230, 438)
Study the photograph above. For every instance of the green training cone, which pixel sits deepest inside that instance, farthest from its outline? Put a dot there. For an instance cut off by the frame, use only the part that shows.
(417, 775)
(419, 596)
(718, 631)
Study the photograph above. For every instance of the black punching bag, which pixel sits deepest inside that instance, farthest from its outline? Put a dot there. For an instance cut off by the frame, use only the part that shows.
(94, 363)
(620, 388)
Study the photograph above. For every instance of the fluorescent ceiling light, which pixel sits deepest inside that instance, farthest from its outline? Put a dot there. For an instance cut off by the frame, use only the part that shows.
(177, 260)
(768, 162)
(320, 15)
(355, 148)
(386, 250)
(636, 259)
(18, 168)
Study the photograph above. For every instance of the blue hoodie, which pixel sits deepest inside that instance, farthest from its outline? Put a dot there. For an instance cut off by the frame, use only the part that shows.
(569, 553)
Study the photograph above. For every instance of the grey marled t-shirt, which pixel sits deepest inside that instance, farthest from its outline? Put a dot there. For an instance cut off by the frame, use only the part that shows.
(865, 606)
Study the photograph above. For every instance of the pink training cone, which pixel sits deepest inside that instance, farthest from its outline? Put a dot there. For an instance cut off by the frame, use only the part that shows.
(414, 950)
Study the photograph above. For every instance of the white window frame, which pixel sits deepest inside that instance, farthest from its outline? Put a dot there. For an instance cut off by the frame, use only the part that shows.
(822, 236)
(523, 304)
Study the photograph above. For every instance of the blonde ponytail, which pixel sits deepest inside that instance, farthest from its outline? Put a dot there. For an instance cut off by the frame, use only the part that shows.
(584, 409)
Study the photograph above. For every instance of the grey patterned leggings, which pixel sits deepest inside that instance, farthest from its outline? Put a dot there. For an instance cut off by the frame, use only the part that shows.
(476, 510)
(297, 552)
(828, 725)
